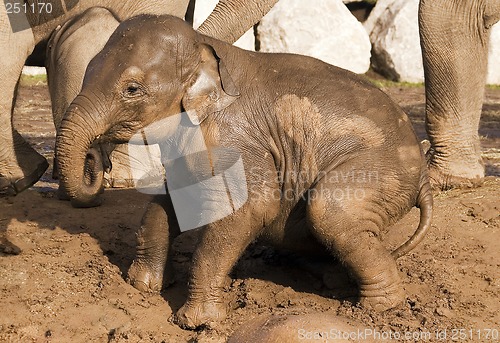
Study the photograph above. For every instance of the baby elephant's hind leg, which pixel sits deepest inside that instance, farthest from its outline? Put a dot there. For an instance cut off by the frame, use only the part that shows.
(340, 219)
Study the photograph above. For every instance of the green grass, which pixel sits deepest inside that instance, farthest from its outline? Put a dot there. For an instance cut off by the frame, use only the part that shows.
(380, 83)
(31, 80)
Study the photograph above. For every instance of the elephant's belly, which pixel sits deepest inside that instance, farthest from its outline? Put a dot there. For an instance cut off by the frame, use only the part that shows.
(291, 232)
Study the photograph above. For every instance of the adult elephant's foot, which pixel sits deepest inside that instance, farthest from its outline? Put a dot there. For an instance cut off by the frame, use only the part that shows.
(6, 246)
(193, 315)
(442, 180)
(21, 169)
(445, 175)
(10, 186)
(131, 163)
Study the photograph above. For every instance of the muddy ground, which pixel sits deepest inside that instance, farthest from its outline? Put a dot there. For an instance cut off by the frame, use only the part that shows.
(67, 284)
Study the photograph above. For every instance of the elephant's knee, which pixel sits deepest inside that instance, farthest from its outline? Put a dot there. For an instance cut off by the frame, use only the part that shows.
(155, 215)
(317, 207)
(159, 221)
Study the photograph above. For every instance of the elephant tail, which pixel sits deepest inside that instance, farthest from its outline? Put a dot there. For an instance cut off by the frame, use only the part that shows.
(424, 203)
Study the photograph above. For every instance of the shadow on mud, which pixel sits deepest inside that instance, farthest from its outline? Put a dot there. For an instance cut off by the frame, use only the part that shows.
(114, 224)
(321, 275)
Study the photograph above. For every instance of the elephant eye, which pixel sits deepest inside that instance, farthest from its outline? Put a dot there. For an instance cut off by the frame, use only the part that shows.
(132, 90)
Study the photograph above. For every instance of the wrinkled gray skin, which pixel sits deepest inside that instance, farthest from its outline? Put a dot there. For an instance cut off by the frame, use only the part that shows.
(316, 125)
(455, 39)
(68, 55)
(20, 165)
(69, 51)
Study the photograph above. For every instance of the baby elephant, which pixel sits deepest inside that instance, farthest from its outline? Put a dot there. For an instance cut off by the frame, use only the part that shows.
(279, 147)
(69, 50)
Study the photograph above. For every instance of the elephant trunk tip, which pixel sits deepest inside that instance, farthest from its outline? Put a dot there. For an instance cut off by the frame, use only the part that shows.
(86, 203)
(87, 193)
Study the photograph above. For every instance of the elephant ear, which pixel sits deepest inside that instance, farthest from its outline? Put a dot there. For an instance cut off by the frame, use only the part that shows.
(211, 88)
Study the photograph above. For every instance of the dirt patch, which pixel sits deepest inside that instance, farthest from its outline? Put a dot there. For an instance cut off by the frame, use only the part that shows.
(68, 282)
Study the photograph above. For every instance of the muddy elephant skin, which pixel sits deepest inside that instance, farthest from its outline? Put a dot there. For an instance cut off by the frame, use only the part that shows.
(25, 28)
(69, 50)
(311, 327)
(329, 160)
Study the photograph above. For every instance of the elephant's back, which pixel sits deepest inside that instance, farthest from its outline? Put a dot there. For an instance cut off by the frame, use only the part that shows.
(44, 23)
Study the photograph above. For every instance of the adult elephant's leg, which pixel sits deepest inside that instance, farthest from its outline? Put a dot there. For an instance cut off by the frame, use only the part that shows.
(70, 50)
(232, 18)
(20, 165)
(454, 38)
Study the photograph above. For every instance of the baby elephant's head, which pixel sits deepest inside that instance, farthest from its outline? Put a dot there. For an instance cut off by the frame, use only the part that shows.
(152, 68)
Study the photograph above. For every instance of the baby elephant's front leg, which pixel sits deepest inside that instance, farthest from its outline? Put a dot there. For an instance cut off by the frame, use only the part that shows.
(152, 268)
(220, 246)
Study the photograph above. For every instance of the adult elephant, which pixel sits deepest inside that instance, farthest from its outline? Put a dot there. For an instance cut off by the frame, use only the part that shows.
(454, 37)
(24, 30)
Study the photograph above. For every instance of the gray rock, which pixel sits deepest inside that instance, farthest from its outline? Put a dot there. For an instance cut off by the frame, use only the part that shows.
(393, 29)
(202, 10)
(376, 12)
(494, 56)
(32, 71)
(349, 1)
(327, 31)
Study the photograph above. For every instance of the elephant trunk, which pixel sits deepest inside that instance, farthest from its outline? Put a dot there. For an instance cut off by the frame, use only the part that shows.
(80, 164)
(240, 15)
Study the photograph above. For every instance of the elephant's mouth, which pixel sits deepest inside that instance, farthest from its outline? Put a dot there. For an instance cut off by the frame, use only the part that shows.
(105, 149)
(92, 168)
